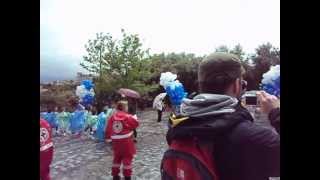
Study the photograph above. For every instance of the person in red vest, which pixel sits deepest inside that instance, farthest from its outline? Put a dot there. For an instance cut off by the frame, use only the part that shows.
(46, 149)
(120, 130)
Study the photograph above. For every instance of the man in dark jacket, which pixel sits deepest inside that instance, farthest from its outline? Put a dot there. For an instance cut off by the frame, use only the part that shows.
(242, 149)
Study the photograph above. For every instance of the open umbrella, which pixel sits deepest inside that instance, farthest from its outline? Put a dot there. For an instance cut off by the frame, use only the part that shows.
(129, 93)
(158, 99)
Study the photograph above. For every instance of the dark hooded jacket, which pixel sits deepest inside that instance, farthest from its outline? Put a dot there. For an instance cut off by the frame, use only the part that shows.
(242, 149)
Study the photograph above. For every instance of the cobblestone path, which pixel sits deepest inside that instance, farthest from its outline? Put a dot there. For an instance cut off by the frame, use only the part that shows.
(84, 159)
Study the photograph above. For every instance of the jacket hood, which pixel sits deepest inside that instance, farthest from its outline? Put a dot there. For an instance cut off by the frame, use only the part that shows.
(208, 105)
(207, 115)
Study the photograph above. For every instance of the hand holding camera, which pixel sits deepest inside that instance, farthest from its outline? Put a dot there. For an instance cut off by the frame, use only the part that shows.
(267, 102)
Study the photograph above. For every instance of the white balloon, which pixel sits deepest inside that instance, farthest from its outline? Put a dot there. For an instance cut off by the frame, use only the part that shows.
(92, 92)
(270, 76)
(81, 91)
(166, 78)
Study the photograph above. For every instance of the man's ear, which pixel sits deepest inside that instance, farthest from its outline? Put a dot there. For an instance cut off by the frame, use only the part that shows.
(236, 86)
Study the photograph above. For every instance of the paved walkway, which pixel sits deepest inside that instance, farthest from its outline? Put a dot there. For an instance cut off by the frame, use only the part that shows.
(84, 159)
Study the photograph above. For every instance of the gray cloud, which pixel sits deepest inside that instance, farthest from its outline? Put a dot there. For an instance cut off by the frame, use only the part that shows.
(58, 67)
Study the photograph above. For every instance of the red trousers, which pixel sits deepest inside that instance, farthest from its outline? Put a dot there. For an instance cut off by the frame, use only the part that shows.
(45, 161)
(123, 152)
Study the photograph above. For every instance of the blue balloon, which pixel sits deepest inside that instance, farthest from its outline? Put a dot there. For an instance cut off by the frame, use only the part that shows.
(176, 92)
(87, 99)
(272, 88)
(87, 84)
(273, 85)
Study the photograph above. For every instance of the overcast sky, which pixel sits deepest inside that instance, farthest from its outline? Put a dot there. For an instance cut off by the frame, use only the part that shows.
(191, 26)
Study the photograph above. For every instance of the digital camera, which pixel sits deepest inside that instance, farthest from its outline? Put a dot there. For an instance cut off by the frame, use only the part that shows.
(250, 98)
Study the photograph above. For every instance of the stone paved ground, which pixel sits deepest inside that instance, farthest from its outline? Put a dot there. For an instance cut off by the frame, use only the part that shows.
(84, 159)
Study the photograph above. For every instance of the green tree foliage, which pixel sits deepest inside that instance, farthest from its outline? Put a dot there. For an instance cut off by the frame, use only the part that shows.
(238, 51)
(182, 64)
(249, 76)
(118, 64)
(265, 56)
(223, 48)
(124, 63)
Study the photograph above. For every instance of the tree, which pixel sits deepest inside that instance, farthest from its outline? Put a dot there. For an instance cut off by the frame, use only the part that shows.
(266, 55)
(222, 48)
(182, 64)
(276, 56)
(93, 61)
(188, 74)
(118, 64)
(238, 51)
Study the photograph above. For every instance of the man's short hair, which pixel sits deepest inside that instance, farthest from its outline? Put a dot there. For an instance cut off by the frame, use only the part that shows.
(217, 71)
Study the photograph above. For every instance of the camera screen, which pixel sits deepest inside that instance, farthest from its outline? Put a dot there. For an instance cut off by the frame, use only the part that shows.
(251, 100)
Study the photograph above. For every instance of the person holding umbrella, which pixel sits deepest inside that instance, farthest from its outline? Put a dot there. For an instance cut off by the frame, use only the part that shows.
(131, 96)
(158, 104)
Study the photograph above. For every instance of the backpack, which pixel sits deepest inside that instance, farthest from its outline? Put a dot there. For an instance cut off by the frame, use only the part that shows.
(188, 160)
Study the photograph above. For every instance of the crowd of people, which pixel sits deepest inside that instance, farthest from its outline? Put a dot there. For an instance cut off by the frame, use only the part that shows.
(77, 120)
(115, 125)
(213, 137)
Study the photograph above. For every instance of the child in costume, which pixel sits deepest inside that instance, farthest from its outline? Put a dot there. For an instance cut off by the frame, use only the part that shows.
(77, 120)
(102, 123)
(63, 119)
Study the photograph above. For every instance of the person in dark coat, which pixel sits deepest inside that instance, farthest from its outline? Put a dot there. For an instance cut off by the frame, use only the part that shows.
(242, 150)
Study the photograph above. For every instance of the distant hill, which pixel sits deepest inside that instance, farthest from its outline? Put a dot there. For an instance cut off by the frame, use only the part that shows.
(53, 77)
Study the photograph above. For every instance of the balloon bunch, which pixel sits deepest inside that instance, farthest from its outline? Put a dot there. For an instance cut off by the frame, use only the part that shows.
(85, 92)
(271, 81)
(173, 88)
